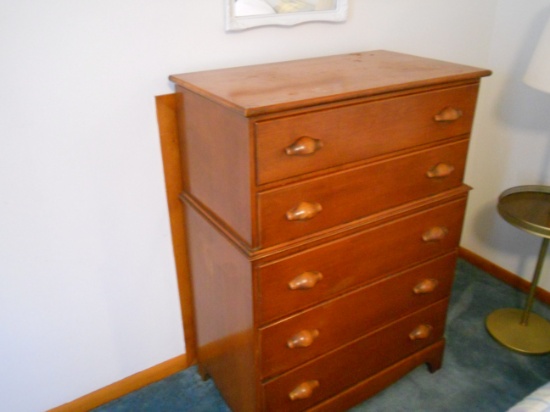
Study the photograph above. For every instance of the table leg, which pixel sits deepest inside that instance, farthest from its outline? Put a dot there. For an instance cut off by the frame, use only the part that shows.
(534, 282)
(522, 330)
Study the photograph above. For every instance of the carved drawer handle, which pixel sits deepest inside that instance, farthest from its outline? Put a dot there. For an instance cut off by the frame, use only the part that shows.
(304, 211)
(421, 332)
(435, 233)
(440, 170)
(448, 114)
(425, 286)
(303, 390)
(303, 339)
(304, 146)
(306, 280)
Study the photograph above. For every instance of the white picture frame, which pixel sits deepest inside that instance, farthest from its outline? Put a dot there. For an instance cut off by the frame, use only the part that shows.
(234, 22)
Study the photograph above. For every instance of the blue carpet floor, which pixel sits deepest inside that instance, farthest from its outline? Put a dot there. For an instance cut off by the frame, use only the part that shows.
(478, 374)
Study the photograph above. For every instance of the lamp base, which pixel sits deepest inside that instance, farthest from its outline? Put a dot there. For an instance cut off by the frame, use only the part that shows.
(505, 326)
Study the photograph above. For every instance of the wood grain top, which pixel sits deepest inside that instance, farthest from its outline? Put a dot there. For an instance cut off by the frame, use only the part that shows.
(273, 87)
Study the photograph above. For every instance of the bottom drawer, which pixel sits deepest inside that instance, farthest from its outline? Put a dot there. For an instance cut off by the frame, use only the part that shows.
(335, 371)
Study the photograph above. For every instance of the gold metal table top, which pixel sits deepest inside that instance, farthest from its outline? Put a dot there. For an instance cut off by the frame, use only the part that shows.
(528, 208)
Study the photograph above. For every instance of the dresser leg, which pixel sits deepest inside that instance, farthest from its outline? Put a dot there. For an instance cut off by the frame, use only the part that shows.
(435, 359)
(203, 372)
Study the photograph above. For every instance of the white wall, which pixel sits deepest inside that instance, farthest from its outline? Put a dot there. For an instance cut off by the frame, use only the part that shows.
(512, 140)
(87, 284)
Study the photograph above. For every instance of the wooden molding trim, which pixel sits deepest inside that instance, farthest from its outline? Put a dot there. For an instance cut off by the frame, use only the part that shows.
(502, 274)
(124, 386)
(173, 170)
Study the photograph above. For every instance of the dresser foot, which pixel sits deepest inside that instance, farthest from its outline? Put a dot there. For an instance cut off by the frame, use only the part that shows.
(203, 373)
(434, 360)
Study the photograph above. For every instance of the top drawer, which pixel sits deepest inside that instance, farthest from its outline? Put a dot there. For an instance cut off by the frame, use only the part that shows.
(360, 131)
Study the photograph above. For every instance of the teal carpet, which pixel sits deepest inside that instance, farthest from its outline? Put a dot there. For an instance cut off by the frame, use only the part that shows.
(478, 374)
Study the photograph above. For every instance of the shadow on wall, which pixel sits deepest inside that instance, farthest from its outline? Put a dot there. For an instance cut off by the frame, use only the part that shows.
(526, 113)
(520, 105)
(491, 229)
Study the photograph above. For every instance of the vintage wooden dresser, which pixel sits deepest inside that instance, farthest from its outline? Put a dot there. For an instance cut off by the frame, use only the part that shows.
(324, 205)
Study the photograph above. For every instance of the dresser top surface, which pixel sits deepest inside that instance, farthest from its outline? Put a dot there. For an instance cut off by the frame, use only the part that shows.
(273, 87)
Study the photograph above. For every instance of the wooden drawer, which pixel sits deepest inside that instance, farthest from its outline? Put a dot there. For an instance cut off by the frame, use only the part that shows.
(352, 363)
(360, 131)
(305, 336)
(307, 207)
(357, 259)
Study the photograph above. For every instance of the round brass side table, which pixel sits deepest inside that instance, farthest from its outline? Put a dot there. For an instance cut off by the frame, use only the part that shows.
(528, 208)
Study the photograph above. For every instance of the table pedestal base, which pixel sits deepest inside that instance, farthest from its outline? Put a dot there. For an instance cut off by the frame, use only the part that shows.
(505, 326)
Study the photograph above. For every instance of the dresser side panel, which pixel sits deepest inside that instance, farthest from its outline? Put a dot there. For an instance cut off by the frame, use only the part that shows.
(215, 148)
(222, 287)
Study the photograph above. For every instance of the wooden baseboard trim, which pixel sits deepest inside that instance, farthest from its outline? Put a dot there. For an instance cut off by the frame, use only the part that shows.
(502, 274)
(124, 386)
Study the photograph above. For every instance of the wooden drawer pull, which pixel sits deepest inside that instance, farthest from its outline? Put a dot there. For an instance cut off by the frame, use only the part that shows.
(448, 114)
(425, 286)
(421, 332)
(304, 211)
(304, 146)
(306, 280)
(440, 170)
(302, 339)
(303, 390)
(435, 233)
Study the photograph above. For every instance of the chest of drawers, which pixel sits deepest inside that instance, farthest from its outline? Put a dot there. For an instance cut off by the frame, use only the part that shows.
(324, 204)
